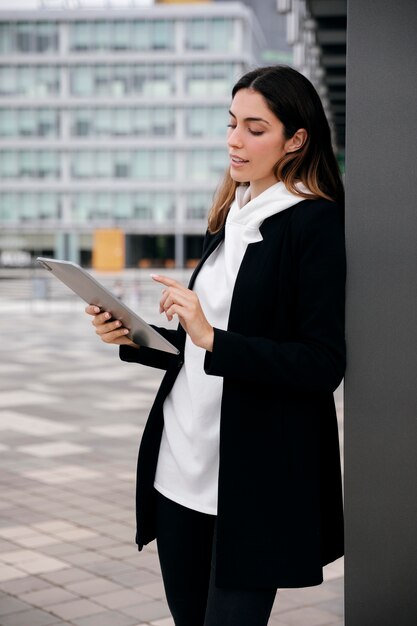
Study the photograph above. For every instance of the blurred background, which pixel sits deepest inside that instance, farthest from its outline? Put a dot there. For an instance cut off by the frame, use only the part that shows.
(112, 141)
(113, 118)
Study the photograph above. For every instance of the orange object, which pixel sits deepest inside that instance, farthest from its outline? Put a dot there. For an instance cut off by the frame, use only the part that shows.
(108, 250)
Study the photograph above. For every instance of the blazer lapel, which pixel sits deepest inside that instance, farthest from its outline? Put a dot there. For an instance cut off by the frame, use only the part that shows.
(211, 246)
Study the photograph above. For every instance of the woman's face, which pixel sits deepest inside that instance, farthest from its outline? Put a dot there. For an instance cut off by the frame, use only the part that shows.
(255, 140)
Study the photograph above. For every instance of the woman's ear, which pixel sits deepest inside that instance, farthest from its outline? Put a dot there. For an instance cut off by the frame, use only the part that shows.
(296, 141)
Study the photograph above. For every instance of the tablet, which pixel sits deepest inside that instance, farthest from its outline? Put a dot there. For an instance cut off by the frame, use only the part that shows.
(93, 292)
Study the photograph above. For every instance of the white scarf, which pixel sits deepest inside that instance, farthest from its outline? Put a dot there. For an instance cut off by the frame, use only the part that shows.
(246, 217)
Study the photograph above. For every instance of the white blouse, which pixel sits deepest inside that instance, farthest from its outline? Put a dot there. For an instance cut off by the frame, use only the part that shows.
(188, 462)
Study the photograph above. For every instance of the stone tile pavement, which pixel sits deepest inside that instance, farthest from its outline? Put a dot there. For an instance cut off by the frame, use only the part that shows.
(71, 416)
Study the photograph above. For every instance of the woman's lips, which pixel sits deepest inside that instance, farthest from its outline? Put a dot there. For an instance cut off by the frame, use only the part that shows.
(237, 162)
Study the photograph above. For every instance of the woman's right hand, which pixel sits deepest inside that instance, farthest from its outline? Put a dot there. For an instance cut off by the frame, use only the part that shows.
(109, 331)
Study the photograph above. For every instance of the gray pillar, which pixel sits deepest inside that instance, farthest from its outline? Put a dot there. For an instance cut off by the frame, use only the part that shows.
(381, 379)
(67, 247)
(179, 250)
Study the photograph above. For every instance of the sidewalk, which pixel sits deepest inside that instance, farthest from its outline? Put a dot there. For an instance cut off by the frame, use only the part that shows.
(71, 415)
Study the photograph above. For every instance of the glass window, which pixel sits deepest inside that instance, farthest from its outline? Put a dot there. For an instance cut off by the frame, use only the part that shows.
(82, 122)
(221, 35)
(122, 164)
(28, 122)
(81, 206)
(163, 35)
(80, 36)
(28, 164)
(220, 79)
(103, 36)
(141, 35)
(49, 164)
(197, 122)
(8, 81)
(104, 165)
(163, 121)
(121, 80)
(28, 206)
(46, 37)
(141, 164)
(196, 79)
(218, 162)
(160, 81)
(161, 88)
(122, 206)
(211, 34)
(218, 121)
(162, 164)
(103, 205)
(46, 80)
(82, 83)
(121, 36)
(55, 80)
(25, 37)
(139, 78)
(103, 122)
(93, 211)
(7, 38)
(198, 165)
(48, 204)
(82, 164)
(206, 164)
(142, 124)
(216, 79)
(122, 122)
(8, 207)
(48, 123)
(142, 206)
(205, 121)
(198, 205)
(197, 34)
(26, 80)
(102, 79)
(162, 207)
(9, 164)
(8, 123)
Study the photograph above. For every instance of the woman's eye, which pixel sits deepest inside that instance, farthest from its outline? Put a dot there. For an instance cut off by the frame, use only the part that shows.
(252, 132)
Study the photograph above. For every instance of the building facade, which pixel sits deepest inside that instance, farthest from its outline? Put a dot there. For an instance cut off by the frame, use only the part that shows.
(317, 32)
(116, 119)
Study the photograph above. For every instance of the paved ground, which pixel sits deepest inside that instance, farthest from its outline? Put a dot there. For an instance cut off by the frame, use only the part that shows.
(71, 415)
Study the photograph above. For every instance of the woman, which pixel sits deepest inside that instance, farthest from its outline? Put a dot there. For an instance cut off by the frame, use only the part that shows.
(239, 472)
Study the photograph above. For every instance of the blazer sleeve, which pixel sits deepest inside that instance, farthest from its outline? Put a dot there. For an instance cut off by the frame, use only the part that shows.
(315, 360)
(151, 357)
(159, 358)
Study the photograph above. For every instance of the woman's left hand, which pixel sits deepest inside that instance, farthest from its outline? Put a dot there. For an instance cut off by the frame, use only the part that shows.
(178, 300)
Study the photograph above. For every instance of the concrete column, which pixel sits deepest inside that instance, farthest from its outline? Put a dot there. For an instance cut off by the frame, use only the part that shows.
(179, 250)
(179, 230)
(67, 247)
(380, 384)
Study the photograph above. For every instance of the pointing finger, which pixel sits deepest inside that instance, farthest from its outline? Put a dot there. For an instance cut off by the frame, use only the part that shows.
(164, 280)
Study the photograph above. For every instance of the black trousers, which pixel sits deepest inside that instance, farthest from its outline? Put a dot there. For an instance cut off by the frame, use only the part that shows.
(185, 540)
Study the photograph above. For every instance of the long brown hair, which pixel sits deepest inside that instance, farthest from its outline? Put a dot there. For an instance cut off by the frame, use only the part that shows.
(296, 103)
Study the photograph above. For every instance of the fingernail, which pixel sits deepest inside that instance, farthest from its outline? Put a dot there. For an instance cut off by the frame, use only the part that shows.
(154, 275)
(107, 316)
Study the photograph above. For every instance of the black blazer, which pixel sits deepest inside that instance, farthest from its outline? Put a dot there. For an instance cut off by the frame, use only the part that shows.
(280, 516)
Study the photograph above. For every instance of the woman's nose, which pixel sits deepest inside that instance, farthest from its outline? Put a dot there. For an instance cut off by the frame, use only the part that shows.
(234, 138)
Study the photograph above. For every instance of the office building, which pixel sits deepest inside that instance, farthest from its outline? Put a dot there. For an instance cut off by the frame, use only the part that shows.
(116, 119)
